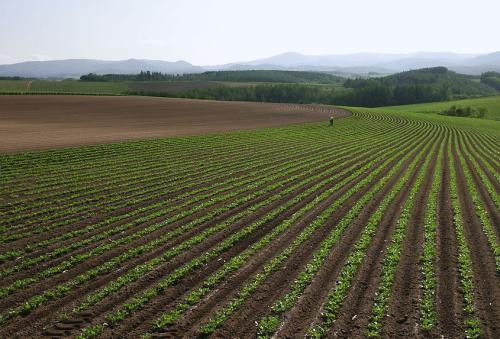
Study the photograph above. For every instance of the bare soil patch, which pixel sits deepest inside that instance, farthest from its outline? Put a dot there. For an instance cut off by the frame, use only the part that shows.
(43, 122)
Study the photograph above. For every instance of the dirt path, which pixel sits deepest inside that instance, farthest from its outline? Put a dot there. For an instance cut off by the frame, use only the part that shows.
(51, 121)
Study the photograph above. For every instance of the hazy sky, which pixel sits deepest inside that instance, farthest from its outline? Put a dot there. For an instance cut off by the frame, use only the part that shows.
(220, 31)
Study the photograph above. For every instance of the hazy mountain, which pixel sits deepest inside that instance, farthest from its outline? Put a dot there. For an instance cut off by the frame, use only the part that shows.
(77, 67)
(375, 62)
(350, 64)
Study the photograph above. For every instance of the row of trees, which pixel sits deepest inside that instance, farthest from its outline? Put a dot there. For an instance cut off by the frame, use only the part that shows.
(142, 76)
(373, 94)
(376, 94)
(235, 76)
(491, 79)
(294, 93)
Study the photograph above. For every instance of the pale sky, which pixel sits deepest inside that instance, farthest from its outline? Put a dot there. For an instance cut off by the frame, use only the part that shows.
(206, 32)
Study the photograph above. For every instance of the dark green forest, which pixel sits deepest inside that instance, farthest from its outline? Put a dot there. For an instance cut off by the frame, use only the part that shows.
(491, 79)
(416, 86)
(234, 76)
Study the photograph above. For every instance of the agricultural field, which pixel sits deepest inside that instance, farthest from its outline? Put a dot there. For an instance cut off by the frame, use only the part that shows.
(61, 87)
(386, 224)
(123, 87)
(492, 105)
(175, 87)
(45, 121)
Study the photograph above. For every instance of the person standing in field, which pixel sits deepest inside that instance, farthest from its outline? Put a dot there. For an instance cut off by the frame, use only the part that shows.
(331, 120)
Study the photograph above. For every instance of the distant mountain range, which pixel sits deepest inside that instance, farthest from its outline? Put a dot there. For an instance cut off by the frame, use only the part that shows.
(73, 68)
(347, 64)
(363, 63)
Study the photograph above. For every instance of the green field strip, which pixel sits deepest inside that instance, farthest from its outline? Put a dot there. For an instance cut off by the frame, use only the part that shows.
(268, 325)
(210, 283)
(250, 286)
(479, 208)
(32, 246)
(62, 207)
(285, 170)
(94, 272)
(217, 169)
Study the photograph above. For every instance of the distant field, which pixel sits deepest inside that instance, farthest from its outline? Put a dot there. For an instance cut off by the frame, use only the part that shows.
(492, 104)
(122, 87)
(175, 87)
(52, 86)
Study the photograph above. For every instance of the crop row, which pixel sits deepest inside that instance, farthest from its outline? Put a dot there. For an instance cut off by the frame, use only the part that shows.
(148, 294)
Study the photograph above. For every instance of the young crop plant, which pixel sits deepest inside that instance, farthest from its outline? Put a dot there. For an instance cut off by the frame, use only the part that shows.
(472, 328)
(429, 283)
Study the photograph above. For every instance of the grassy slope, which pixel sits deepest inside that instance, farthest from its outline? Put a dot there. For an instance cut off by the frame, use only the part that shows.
(492, 104)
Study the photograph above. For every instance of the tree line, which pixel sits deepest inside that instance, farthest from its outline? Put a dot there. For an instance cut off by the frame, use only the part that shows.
(235, 76)
(491, 79)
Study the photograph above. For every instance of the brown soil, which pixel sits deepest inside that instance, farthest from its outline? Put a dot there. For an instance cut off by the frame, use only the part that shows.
(403, 313)
(354, 316)
(486, 278)
(46, 121)
(449, 299)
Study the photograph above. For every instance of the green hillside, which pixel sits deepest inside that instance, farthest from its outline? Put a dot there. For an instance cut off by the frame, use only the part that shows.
(492, 105)
(491, 79)
(416, 86)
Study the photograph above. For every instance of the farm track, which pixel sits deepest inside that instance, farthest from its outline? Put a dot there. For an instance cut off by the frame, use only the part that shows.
(383, 225)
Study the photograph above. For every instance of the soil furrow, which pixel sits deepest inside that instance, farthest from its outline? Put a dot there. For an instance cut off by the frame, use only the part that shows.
(449, 301)
(493, 212)
(357, 307)
(182, 258)
(404, 317)
(277, 245)
(242, 322)
(486, 278)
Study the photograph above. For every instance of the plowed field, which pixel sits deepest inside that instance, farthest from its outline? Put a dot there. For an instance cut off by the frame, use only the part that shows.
(48, 121)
